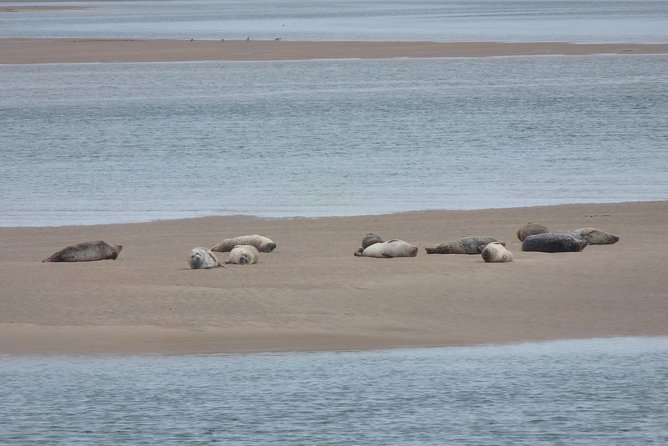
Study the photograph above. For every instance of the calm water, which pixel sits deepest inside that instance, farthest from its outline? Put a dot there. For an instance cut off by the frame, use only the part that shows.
(593, 392)
(441, 20)
(98, 143)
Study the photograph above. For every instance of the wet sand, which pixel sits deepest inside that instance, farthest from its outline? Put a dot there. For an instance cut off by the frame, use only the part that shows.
(313, 294)
(29, 51)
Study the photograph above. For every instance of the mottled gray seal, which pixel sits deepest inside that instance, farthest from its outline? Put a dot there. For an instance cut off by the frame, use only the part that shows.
(86, 252)
(202, 258)
(495, 252)
(531, 229)
(391, 248)
(263, 244)
(369, 240)
(553, 242)
(593, 236)
(243, 255)
(466, 245)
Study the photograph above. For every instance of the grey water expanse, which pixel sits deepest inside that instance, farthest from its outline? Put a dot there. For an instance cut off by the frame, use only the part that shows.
(119, 142)
(435, 20)
(588, 392)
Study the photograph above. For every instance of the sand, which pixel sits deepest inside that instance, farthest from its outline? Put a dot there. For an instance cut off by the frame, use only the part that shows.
(26, 51)
(313, 294)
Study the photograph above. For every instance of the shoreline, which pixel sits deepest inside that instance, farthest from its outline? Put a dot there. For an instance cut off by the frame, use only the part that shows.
(312, 294)
(64, 50)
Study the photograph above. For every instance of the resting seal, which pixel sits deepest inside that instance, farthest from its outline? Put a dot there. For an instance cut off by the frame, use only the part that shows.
(495, 252)
(531, 229)
(593, 236)
(392, 248)
(86, 252)
(202, 258)
(263, 244)
(465, 245)
(553, 242)
(369, 240)
(243, 255)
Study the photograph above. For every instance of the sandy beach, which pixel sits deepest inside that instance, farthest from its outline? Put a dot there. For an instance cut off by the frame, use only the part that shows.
(313, 294)
(28, 51)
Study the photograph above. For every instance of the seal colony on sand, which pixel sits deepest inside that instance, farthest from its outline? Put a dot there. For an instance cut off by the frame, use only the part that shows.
(495, 252)
(262, 243)
(86, 252)
(553, 242)
(202, 258)
(466, 245)
(389, 249)
(243, 255)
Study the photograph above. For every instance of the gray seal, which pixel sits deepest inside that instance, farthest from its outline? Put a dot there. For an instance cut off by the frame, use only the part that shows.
(368, 240)
(531, 228)
(553, 242)
(593, 236)
(243, 255)
(202, 258)
(466, 245)
(495, 252)
(86, 252)
(262, 243)
(389, 249)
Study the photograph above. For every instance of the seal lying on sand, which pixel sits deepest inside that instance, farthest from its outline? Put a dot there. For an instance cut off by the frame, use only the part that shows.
(593, 236)
(368, 240)
(495, 252)
(86, 252)
(531, 229)
(202, 258)
(243, 255)
(263, 244)
(553, 242)
(465, 245)
(392, 248)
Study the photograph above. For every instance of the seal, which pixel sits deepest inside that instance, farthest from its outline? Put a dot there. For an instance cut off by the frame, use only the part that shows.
(86, 252)
(593, 236)
(389, 249)
(263, 244)
(553, 242)
(369, 240)
(202, 258)
(495, 252)
(243, 255)
(466, 245)
(531, 228)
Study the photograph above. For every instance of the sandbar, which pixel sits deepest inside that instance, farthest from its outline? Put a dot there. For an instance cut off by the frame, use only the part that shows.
(313, 294)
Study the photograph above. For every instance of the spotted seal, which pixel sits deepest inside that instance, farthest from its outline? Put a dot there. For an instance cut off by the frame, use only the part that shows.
(202, 258)
(243, 255)
(263, 244)
(369, 240)
(391, 248)
(495, 252)
(531, 228)
(86, 252)
(553, 242)
(593, 236)
(466, 245)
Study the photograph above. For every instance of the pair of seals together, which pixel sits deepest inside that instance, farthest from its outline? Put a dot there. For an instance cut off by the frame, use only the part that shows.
(244, 250)
(374, 246)
(492, 250)
(537, 237)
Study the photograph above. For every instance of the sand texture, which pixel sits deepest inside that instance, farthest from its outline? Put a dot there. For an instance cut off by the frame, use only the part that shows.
(313, 294)
(26, 51)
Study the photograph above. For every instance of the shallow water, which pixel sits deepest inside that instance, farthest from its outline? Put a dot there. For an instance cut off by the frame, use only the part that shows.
(108, 143)
(589, 392)
(435, 20)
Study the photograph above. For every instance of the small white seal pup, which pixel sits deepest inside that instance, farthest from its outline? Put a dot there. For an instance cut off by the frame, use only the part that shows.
(495, 252)
(262, 243)
(391, 248)
(553, 242)
(531, 228)
(202, 258)
(243, 255)
(466, 245)
(593, 236)
(86, 252)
